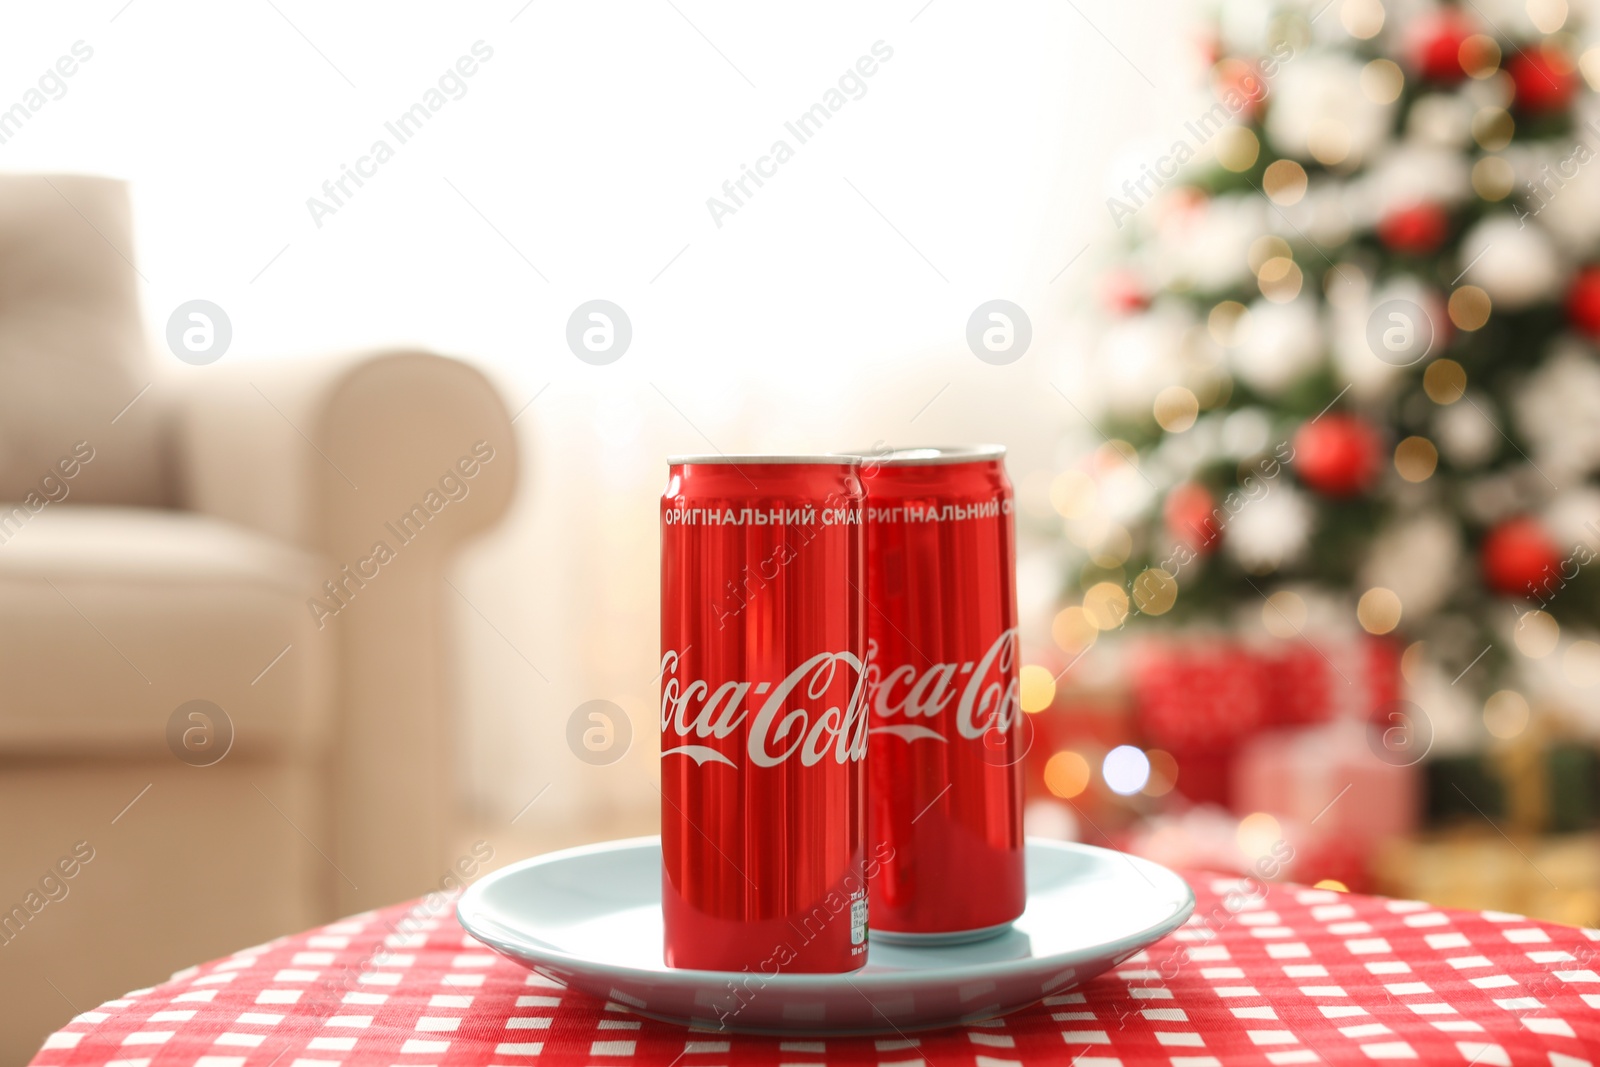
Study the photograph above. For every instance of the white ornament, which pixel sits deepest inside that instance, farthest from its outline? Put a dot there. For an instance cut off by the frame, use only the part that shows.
(1419, 559)
(1140, 355)
(1442, 120)
(1416, 174)
(1464, 434)
(1208, 247)
(1323, 216)
(1243, 26)
(1320, 94)
(1559, 185)
(1270, 532)
(1281, 342)
(1558, 411)
(1368, 374)
(1245, 433)
(1516, 264)
(1573, 518)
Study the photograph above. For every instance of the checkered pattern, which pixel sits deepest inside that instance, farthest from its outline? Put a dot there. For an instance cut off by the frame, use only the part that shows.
(1295, 976)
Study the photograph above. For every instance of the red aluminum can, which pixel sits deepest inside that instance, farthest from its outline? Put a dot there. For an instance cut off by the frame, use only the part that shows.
(946, 740)
(763, 715)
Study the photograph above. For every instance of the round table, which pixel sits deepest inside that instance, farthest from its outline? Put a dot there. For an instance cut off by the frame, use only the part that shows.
(1294, 975)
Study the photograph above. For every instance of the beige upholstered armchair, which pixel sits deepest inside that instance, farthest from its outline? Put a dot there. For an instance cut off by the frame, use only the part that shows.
(271, 539)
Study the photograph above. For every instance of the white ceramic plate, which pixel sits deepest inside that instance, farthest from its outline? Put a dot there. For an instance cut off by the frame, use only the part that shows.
(590, 918)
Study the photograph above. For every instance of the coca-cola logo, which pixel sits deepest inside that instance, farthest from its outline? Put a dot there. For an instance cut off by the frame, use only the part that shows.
(789, 723)
(984, 692)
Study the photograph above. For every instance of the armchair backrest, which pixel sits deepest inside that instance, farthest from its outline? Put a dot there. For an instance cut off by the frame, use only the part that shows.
(72, 348)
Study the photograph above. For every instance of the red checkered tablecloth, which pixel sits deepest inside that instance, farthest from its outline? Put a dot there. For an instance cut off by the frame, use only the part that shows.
(1288, 976)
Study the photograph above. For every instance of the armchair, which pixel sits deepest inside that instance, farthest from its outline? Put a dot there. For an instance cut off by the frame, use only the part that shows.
(270, 538)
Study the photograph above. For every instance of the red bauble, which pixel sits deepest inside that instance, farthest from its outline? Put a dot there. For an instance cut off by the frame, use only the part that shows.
(1337, 455)
(1435, 45)
(1544, 81)
(1417, 230)
(1123, 292)
(1518, 553)
(1189, 511)
(1583, 301)
(1240, 86)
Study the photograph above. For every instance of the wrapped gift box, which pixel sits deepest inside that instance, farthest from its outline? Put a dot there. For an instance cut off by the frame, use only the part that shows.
(1328, 777)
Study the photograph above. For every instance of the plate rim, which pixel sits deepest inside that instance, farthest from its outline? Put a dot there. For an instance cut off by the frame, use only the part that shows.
(881, 981)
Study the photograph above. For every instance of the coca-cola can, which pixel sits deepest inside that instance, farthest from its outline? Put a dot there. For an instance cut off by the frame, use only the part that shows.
(947, 730)
(763, 716)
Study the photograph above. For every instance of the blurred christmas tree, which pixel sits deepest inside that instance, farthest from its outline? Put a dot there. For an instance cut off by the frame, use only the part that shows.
(1352, 375)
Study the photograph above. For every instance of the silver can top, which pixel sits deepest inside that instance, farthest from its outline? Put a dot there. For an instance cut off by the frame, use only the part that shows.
(935, 454)
(736, 459)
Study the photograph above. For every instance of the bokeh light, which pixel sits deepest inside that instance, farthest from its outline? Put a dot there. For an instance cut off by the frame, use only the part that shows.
(1073, 630)
(1382, 80)
(1280, 280)
(1284, 614)
(1413, 660)
(1106, 605)
(1176, 409)
(1445, 381)
(1066, 774)
(1469, 308)
(1257, 834)
(1038, 687)
(1361, 19)
(1114, 549)
(1505, 714)
(1580, 664)
(1155, 591)
(1415, 459)
(1126, 770)
(1072, 494)
(1378, 611)
(1267, 246)
(1492, 178)
(1537, 634)
(1285, 182)
(1228, 322)
(1589, 63)
(1237, 148)
(1163, 773)
(1492, 128)
(1479, 56)
(1547, 15)
(1329, 141)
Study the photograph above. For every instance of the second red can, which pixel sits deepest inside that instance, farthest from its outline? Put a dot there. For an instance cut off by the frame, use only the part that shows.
(946, 735)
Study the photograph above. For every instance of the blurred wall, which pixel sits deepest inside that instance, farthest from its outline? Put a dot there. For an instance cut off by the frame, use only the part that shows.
(574, 162)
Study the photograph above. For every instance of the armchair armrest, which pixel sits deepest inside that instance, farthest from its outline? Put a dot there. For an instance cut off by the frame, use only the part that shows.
(382, 464)
(312, 451)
